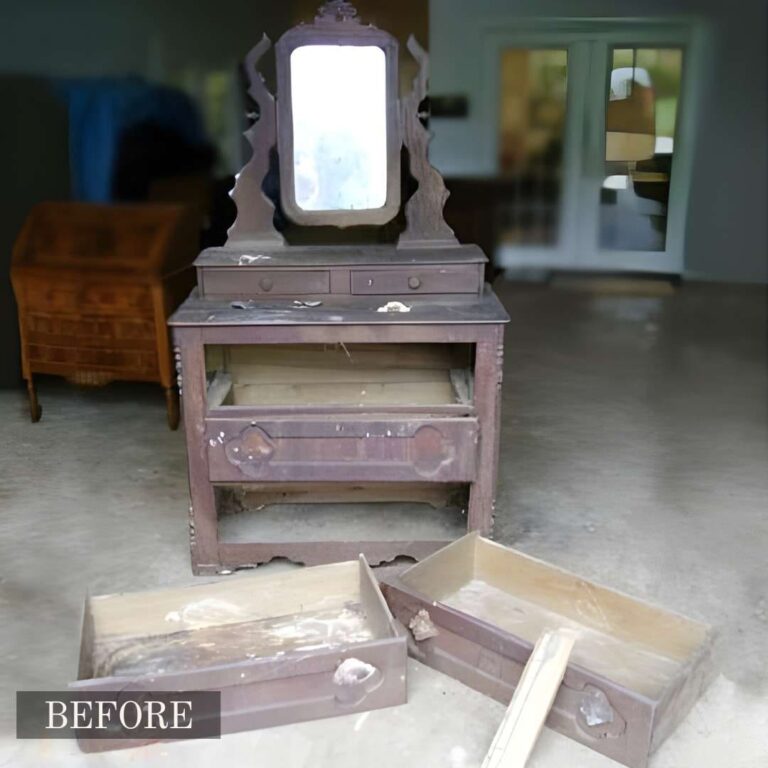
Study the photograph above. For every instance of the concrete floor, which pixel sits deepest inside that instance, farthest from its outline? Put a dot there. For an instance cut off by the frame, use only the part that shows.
(634, 451)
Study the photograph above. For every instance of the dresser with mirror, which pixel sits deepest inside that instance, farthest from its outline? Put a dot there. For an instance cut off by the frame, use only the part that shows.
(358, 367)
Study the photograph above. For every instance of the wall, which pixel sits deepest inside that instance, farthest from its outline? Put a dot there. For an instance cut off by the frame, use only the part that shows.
(726, 228)
(88, 37)
(174, 42)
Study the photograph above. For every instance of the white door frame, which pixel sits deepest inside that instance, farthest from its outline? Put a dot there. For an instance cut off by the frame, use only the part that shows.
(588, 43)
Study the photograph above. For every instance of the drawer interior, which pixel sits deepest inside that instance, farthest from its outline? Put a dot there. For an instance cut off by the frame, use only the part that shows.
(339, 374)
(236, 619)
(637, 645)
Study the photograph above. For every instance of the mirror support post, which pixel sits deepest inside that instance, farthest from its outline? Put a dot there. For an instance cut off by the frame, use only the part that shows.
(255, 211)
(426, 225)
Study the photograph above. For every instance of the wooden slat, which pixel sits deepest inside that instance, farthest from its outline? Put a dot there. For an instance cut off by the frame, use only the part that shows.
(234, 554)
(345, 393)
(284, 374)
(437, 495)
(531, 702)
(218, 389)
(331, 356)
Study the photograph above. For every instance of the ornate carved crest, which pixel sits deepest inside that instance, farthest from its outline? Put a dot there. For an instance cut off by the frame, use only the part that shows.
(336, 11)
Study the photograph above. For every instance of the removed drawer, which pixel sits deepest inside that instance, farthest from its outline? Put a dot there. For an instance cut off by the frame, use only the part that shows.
(635, 670)
(272, 644)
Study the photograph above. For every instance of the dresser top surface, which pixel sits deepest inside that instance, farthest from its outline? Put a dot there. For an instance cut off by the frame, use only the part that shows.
(254, 255)
(341, 310)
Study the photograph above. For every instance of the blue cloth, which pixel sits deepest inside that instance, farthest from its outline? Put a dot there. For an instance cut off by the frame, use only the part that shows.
(101, 109)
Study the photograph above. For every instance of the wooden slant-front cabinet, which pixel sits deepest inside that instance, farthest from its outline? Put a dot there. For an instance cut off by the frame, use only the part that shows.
(94, 285)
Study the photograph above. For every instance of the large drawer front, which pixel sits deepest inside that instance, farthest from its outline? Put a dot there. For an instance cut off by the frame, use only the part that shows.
(458, 279)
(58, 295)
(73, 331)
(253, 282)
(304, 449)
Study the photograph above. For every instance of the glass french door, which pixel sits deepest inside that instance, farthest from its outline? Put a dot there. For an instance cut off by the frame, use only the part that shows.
(592, 134)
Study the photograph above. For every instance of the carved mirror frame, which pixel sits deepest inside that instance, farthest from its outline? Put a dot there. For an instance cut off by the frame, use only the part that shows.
(337, 24)
(254, 223)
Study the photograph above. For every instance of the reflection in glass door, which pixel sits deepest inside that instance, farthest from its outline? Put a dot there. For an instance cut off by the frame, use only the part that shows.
(640, 115)
(531, 127)
(593, 129)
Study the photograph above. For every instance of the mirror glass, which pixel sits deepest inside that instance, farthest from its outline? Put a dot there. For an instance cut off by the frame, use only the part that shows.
(339, 113)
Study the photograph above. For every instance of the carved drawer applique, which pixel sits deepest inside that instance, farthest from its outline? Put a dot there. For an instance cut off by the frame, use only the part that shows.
(249, 451)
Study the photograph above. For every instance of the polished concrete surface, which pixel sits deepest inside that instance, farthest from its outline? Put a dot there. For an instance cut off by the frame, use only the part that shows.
(634, 452)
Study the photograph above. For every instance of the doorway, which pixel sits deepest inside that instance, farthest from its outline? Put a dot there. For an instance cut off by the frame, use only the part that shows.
(591, 129)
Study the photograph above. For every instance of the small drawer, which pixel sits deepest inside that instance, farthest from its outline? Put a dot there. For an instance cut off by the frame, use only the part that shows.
(250, 281)
(454, 279)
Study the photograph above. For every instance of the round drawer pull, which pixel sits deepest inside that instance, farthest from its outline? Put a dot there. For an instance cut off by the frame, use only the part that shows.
(414, 283)
(266, 283)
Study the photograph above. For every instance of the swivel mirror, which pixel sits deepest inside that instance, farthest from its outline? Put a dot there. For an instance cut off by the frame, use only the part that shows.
(338, 121)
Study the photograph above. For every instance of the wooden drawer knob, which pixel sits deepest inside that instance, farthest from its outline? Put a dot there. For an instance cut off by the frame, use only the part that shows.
(414, 283)
(266, 283)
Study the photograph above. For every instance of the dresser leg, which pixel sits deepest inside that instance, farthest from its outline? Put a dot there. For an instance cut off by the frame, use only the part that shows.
(172, 406)
(203, 519)
(35, 409)
(488, 373)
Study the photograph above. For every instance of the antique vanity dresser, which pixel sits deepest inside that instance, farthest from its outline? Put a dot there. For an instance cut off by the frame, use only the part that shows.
(319, 372)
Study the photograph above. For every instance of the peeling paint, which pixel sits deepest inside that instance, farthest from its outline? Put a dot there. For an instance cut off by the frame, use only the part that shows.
(394, 306)
(248, 259)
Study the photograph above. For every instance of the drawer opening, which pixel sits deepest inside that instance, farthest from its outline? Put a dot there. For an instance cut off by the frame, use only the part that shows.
(233, 620)
(346, 375)
(277, 512)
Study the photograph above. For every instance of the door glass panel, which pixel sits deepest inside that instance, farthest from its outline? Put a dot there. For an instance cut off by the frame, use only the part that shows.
(641, 111)
(532, 123)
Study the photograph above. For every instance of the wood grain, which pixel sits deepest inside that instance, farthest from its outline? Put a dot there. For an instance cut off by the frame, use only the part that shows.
(524, 718)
